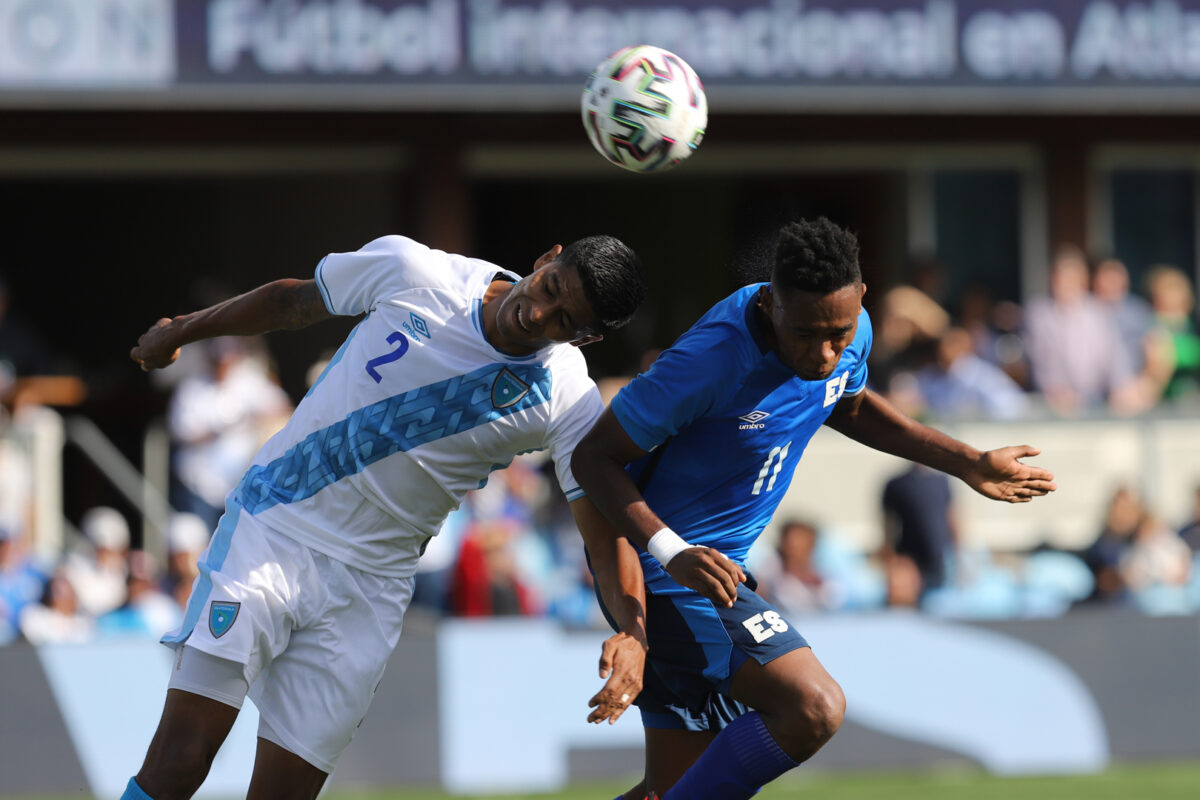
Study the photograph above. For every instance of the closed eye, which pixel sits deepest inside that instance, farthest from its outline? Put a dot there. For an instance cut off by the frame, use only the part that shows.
(554, 290)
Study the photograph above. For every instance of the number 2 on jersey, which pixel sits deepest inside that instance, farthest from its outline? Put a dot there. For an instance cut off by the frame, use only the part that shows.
(401, 341)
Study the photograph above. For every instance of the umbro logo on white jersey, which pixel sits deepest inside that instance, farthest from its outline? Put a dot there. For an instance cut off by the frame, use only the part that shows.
(416, 327)
(753, 421)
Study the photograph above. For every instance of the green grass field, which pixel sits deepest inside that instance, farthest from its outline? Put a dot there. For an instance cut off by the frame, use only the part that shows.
(1175, 781)
(1154, 782)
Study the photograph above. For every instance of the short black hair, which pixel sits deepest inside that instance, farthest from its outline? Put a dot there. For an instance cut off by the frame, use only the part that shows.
(816, 256)
(612, 277)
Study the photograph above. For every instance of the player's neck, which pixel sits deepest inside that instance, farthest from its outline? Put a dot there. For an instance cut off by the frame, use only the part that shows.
(765, 326)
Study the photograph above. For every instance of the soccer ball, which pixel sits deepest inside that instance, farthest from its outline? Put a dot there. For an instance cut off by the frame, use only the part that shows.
(644, 109)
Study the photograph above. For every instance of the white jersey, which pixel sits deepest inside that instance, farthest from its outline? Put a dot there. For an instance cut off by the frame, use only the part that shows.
(415, 410)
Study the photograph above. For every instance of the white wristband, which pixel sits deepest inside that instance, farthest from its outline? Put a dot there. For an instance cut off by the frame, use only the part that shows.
(665, 545)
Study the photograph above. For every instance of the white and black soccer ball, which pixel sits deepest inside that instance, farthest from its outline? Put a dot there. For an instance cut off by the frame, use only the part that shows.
(644, 109)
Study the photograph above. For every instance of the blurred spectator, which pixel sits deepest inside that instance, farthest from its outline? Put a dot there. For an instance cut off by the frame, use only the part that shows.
(435, 570)
(927, 274)
(98, 571)
(1156, 557)
(147, 611)
(1174, 353)
(187, 536)
(797, 585)
(1122, 518)
(1190, 532)
(21, 583)
(1078, 361)
(58, 618)
(960, 384)
(218, 418)
(995, 330)
(485, 581)
(919, 530)
(909, 326)
(1133, 315)
(1054, 581)
(903, 582)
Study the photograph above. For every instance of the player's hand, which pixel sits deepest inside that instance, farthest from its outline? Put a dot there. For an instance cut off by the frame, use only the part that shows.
(709, 572)
(154, 349)
(1000, 475)
(622, 659)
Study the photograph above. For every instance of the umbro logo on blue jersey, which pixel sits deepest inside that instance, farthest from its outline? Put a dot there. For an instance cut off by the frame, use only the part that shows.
(753, 421)
(221, 617)
(416, 327)
(508, 389)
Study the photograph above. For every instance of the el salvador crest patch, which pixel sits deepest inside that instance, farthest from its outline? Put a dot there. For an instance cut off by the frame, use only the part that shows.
(221, 617)
(508, 389)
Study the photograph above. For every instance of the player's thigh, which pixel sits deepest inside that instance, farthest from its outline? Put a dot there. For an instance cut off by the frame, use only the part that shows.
(192, 717)
(669, 754)
(316, 693)
(795, 680)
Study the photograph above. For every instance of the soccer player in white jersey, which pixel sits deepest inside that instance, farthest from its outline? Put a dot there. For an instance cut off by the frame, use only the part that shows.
(456, 367)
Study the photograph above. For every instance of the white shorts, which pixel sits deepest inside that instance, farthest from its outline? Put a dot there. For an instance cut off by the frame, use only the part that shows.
(312, 634)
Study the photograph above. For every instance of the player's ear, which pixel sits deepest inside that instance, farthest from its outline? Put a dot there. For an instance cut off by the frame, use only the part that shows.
(547, 257)
(582, 340)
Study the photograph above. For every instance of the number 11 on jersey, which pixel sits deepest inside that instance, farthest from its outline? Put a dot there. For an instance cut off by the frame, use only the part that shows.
(779, 453)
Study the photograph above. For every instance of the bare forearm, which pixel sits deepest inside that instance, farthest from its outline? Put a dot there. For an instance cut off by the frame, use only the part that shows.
(616, 566)
(279, 305)
(286, 303)
(623, 587)
(878, 424)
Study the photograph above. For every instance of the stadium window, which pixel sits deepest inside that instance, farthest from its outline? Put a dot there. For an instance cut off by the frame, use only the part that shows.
(978, 232)
(1153, 219)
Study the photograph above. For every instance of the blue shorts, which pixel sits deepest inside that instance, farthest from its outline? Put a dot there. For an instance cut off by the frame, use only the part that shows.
(696, 648)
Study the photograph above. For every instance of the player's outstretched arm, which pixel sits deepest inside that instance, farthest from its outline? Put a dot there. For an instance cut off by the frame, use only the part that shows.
(283, 304)
(619, 577)
(599, 465)
(870, 419)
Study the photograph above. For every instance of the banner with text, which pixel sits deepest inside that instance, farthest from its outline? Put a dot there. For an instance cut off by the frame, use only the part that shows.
(535, 54)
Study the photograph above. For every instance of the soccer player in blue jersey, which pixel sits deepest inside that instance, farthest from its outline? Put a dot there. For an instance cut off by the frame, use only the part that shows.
(698, 451)
(456, 366)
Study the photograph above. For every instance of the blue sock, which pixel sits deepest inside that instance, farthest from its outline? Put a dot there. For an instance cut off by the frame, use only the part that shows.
(135, 792)
(741, 760)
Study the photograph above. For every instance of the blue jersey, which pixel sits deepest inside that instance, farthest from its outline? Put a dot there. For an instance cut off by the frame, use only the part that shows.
(725, 422)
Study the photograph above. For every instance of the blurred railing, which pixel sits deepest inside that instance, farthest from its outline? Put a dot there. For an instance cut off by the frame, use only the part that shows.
(41, 434)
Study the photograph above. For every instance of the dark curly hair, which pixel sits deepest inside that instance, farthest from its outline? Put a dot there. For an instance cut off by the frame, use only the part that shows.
(612, 278)
(816, 256)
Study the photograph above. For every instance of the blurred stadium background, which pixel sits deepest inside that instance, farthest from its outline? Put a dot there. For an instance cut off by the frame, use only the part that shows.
(156, 155)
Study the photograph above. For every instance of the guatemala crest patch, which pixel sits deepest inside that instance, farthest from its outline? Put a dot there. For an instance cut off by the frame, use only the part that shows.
(508, 389)
(221, 617)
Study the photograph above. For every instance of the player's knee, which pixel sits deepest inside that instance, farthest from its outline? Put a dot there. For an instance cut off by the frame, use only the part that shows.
(824, 709)
(817, 712)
